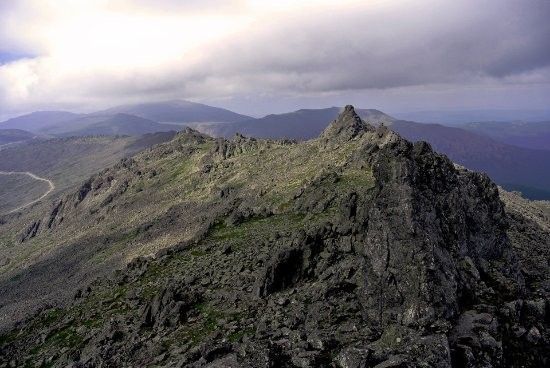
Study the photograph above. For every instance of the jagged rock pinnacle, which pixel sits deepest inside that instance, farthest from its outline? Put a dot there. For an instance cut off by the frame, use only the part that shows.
(346, 126)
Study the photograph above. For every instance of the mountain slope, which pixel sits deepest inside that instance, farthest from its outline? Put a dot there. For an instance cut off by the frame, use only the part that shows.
(14, 135)
(134, 119)
(178, 111)
(107, 124)
(513, 167)
(69, 161)
(458, 118)
(121, 124)
(357, 248)
(19, 190)
(40, 121)
(521, 134)
(301, 124)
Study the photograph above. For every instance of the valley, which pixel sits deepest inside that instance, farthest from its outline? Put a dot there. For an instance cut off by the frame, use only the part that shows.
(18, 192)
(69, 161)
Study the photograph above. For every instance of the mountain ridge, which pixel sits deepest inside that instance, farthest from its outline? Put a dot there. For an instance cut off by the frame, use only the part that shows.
(122, 124)
(534, 135)
(37, 121)
(175, 111)
(373, 250)
(300, 124)
(501, 161)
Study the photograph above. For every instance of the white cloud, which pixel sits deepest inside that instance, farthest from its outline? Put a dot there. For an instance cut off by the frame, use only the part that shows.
(105, 52)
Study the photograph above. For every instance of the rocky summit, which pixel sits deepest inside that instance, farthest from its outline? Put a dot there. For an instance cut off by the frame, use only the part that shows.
(356, 249)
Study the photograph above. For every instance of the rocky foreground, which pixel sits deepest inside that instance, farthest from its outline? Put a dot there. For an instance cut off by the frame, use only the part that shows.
(356, 249)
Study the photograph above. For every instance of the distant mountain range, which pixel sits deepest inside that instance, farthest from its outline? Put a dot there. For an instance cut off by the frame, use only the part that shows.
(39, 121)
(119, 124)
(122, 120)
(178, 111)
(301, 124)
(466, 116)
(516, 155)
(535, 135)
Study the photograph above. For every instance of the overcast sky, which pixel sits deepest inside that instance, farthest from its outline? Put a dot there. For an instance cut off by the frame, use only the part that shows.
(259, 56)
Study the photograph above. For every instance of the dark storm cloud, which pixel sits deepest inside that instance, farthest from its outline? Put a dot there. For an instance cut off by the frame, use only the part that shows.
(414, 45)
(339, 50)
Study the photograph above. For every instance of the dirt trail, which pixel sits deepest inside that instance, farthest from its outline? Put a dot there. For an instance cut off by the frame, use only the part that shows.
(5, 145)
(36, 177)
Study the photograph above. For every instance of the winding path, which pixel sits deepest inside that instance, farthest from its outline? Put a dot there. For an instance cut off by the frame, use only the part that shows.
(36, 177)
(2, 146)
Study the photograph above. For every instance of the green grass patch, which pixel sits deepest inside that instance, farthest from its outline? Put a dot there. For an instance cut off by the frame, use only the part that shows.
(239, 334)
(65, 337)
(254, 228)
(208, 324)
(198, 253)
(7, 338)
(181, 169)
(354, 178)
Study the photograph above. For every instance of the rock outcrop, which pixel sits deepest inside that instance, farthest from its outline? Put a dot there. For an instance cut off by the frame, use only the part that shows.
(348, 125)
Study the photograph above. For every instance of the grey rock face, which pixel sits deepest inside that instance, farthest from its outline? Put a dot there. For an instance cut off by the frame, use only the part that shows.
(347, 126)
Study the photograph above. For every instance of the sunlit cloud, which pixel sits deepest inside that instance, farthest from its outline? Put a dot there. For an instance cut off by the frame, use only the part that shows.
(83, 53)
